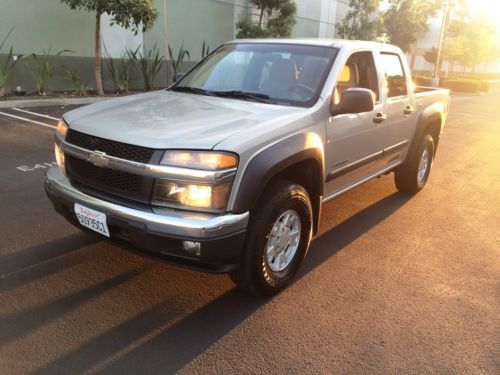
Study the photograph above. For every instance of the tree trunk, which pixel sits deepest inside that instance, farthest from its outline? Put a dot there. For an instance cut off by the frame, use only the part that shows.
(413, 56)
(353, 24)
(98, 76)
(261, 17)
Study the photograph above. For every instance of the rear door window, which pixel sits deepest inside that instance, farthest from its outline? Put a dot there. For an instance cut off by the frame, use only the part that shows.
(394, 75)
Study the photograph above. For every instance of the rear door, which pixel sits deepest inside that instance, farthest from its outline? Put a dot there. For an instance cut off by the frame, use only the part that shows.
(399, 105)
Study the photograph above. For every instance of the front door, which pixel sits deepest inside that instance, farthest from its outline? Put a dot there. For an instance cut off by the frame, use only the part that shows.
(355, 142)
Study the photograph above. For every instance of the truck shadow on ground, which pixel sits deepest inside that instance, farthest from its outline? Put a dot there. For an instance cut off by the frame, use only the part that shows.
(154, 349)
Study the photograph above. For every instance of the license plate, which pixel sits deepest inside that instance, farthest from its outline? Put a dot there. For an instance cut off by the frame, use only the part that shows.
(92, 219)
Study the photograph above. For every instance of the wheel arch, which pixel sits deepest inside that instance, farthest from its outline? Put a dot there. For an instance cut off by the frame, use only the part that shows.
(430, 121)
(299, 159)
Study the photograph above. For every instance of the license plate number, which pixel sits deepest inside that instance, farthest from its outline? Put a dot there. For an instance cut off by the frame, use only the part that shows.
(92, 219)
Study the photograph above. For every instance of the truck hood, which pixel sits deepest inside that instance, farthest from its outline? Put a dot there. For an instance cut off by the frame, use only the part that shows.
(166, 119)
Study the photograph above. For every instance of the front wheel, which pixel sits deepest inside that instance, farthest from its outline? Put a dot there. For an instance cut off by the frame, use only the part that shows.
(411, 177)
(277, 240)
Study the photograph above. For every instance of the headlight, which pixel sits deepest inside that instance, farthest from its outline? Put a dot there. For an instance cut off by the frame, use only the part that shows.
(206, 160)
(62, 129)
(189, 193)
(60, 158)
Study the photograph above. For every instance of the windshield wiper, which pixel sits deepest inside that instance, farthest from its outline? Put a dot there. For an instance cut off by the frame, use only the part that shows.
(243, 95)
(194, 90)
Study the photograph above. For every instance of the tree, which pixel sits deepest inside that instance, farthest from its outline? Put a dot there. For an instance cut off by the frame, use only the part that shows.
(407, 20)
(130, 14)
(276, 19)
(431, 55)
(360, 22)
(469, 41)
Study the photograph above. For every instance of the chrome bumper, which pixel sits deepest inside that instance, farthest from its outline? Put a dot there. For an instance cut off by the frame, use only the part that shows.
(161, 221)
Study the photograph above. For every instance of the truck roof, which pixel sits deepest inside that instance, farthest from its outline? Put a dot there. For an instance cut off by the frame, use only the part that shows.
(324, 42)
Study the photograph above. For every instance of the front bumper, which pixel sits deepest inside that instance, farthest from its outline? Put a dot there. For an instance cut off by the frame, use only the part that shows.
(159, 232)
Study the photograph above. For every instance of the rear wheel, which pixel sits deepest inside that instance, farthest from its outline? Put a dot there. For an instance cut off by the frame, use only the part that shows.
(277, 240)
(412, 176)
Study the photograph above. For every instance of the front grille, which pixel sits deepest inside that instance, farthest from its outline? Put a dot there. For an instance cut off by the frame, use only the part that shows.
(104, 176)
(117, 183)
(112, 148)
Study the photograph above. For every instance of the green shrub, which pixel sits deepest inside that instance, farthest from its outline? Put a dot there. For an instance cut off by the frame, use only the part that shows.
(176, 62)
(42, 69)
(79, 86)
(422, 81)
(119, 70)
(149, 64)
(462, 85)
(9, 63)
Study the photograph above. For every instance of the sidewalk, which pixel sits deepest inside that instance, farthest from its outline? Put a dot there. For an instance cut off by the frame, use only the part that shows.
(34, 102)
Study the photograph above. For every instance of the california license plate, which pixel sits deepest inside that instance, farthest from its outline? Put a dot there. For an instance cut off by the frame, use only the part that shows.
(92, 219)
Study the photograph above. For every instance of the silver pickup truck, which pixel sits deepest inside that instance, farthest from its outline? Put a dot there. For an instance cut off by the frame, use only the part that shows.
(226, 170)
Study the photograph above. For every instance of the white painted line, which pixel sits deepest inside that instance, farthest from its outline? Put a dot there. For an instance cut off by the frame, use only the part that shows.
(25, 119)
(35, 114)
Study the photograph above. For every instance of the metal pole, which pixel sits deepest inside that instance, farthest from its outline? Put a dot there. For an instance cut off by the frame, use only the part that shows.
(165, 35)
(441, 38)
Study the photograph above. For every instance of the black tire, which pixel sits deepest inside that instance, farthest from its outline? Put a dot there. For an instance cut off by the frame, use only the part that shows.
(255, 274)
(406, 176)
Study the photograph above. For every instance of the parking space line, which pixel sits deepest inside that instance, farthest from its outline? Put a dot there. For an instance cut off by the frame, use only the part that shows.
(28, 120)
(35, 114)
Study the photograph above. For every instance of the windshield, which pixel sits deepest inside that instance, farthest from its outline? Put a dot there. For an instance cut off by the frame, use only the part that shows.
(274, 73)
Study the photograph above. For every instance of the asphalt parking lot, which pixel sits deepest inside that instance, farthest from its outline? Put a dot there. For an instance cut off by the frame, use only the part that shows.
(391, 284)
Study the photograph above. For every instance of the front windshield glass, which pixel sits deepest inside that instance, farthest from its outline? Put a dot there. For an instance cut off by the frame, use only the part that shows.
(275, 73)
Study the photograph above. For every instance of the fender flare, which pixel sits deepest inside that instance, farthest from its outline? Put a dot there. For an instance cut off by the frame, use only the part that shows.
(275, 159)
(430, 115)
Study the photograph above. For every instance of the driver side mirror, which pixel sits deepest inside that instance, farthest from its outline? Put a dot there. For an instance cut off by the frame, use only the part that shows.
(356, 100)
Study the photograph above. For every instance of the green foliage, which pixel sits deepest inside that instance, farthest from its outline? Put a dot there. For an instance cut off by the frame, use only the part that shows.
(407, 20)
(469, 41)
(359, 22)
(79, 86)
(9, 62)
(276, 20)
(205, 50)
(42, 69)
(149, 64)
(130, 14)
(431, 55)
(465, 85)
(176, 62)
(422, 80)
(119, 70)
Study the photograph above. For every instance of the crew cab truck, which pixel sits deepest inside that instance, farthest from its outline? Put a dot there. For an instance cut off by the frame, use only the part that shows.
(227, 169)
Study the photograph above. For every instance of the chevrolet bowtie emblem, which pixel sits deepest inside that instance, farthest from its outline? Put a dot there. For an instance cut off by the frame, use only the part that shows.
(98, 158)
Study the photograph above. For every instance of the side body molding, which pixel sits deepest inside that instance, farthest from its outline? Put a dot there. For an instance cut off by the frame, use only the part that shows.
(305, 147)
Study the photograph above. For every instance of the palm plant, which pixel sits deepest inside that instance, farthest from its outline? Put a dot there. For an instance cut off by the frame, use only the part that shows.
(9, 63)
(205, 50)
(176, 63)
(43, 71)
(119, 70)
(79, 86)
(149, 64)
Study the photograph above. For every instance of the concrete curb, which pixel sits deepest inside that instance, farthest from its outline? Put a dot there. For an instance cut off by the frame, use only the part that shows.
(51, 102)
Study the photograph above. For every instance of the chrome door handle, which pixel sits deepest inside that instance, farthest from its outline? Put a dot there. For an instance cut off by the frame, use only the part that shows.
(408, 110)
(379, 118)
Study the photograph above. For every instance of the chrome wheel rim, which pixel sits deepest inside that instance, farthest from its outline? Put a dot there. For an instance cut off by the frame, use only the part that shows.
(423, 165)
(283, 240)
